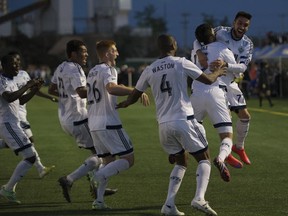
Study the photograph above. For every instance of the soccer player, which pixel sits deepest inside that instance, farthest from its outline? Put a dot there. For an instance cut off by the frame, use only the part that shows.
(178, 129)
(21, 79)
(10, 129)
(211, 99)
(69, 84)
(242, 47)
(109, 138)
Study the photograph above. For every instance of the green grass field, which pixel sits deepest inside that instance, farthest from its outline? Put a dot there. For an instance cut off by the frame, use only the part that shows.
(256, 190)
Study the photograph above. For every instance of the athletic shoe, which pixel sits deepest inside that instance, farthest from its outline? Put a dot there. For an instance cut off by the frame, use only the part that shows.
(234, 162)
(203, 206)
(93, 187)
(224, 172)
(46, 171)
(242, 154)
(9, 195)
(99, 206)
(66, 187)
(170, 210)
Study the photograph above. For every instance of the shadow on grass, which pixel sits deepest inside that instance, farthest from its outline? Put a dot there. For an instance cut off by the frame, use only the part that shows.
(50, 210)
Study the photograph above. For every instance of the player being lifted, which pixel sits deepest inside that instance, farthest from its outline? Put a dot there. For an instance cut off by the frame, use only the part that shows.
(242, 47)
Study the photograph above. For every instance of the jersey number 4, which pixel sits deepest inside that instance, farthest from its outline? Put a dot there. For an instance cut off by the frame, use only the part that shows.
(165, 85)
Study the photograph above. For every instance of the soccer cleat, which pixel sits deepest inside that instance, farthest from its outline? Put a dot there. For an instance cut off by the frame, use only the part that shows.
(234, 162)
(66, 187)
(203, 206)
(224, 172)
(46, 171)
(242, 154)
(170, 210)
(93, 188)
(9, 195)
(99, 206)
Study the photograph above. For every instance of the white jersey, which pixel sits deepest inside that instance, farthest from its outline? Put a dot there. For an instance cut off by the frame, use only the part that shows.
(21, 80)
(69, 76)
(214, 51)
(8, 111)
(101, 104)
(168, 80)
(242, 48)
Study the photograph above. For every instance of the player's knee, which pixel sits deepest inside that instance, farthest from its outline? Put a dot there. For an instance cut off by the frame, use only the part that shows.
(93, 161)
(244, 114)
(181, 159)
(31, 159)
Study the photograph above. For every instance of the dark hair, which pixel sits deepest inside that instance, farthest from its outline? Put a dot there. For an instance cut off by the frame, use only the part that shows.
(6, 60)
(14, 53)
(166, 43)
(103, 45)
(204, 34)
(73, 46)
(243, 14)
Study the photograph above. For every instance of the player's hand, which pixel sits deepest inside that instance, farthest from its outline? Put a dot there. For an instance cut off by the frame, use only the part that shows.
(216, 65)
(32, 83)
(145, 99)
(122, 104)
(222, 71)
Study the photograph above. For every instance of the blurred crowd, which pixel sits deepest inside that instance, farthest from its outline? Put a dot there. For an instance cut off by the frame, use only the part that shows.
(262, 79)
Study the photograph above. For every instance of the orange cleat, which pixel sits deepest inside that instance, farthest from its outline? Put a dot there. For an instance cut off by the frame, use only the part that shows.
(242, 154)
(234, 162)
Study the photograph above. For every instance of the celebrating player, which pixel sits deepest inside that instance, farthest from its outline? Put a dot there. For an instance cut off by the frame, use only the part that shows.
(178, 129)
(69, 84)
(242, 47)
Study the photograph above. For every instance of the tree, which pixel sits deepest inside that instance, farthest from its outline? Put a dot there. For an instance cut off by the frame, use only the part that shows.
(210, 19)
(146, 19)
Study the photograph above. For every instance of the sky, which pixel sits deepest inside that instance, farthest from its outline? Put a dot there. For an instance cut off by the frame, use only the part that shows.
(268, 15)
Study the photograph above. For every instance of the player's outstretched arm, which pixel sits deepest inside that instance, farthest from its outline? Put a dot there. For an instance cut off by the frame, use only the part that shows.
(132, 98)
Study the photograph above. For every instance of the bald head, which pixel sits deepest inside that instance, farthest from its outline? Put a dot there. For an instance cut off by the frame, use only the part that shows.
(166, 44)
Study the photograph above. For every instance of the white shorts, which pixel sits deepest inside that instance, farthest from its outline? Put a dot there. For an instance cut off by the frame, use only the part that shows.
(235, 97)
(182, 134)
(14, 136)
(212, 102)
(112, 141)
(25, 125)
(80, 131)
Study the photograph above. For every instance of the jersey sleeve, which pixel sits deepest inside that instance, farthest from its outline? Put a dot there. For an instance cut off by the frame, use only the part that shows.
(110, 75)
(196, 45)
(77, 77)
(4, 87)
(142, 83)
(191, 69)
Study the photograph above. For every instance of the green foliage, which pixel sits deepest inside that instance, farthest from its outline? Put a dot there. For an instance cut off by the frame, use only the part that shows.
(210, 19)
(146, 18)
(256, 190)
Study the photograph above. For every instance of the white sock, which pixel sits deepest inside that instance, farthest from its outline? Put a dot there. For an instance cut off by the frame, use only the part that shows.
(225, 148)
(19, 172)
(107, 171)
(176, 177)
(202, 179)
(89, 164)
(242, 127)
(39, 166)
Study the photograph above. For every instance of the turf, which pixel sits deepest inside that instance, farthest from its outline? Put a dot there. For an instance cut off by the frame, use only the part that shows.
(256, 190)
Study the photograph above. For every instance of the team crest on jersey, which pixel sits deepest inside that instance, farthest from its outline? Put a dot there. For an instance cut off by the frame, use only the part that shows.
(25, 139)
(241, 49)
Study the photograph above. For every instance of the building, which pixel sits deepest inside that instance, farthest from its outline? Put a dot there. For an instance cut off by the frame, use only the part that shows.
(58, 17)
